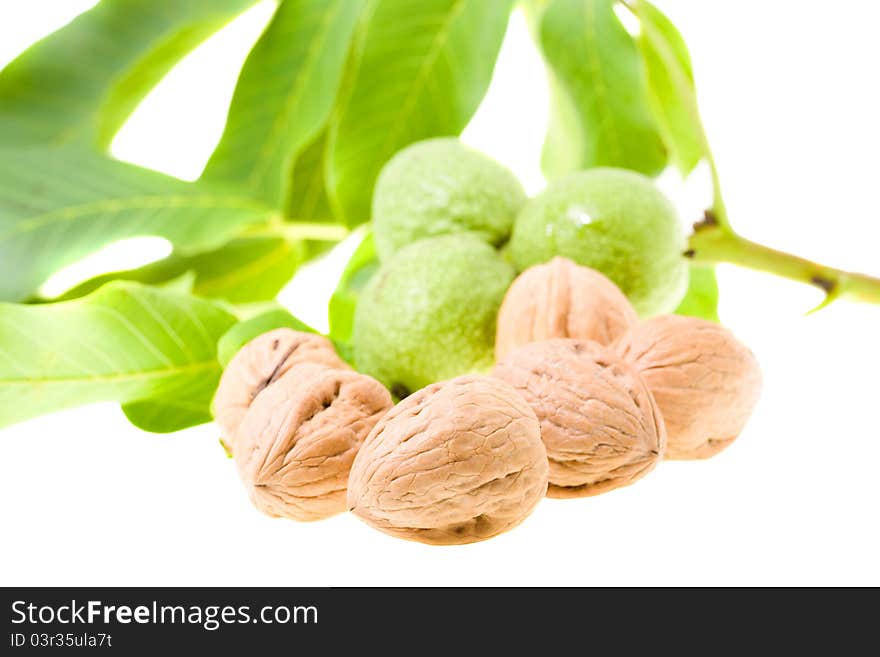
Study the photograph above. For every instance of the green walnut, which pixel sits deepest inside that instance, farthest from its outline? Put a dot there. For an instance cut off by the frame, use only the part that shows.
(429, 313)
(616, 222)
(441, 187)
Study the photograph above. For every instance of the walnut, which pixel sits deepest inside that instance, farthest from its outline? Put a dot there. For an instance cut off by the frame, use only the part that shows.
(561, 299)
(298, 439)
(704, 380)
(455, 462)
(258, 364)
(598, 421)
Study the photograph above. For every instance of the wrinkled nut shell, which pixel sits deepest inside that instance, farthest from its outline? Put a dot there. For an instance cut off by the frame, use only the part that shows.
(561, 299)
(705, 381)
(296, 444)
(599, 423)
(456, 462)
(258, 364)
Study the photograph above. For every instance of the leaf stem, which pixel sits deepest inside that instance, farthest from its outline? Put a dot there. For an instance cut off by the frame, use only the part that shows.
(295, 231)
(714, 242)
(307, 230)
(714, 239)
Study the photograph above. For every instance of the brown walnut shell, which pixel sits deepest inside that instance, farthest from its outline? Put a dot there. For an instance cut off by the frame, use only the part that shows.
(456, 462)
(705, 381)
(599, 423)
(297, 441)
(561, 299)
(260, 363)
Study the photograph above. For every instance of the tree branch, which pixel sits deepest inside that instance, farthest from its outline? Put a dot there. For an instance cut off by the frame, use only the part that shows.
(713, 242)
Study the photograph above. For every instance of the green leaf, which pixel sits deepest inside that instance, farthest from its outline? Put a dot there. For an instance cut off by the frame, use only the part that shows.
(188, 407)
(59, 205)
(124, 343)
(83, 81)
(419, 70)
(701, 299)
(245, 331)
(563, 150)
(600, 112)
(307, 195)
(284, 95)
(245, 270)
(671, 88)
(363, 263)
(648, 14)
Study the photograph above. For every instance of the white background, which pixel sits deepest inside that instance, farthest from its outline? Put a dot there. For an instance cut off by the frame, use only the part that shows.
(789, 97)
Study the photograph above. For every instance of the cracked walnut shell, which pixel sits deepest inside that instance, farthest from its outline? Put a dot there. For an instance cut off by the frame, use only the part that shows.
(260, 363)
(456, 462)
(599, 423)
(297, 441)
(561, 299)
(705, 381)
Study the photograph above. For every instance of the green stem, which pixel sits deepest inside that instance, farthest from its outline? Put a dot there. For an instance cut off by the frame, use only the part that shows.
(719, 210)
(302, 230)
(713, 242)
(313, 231)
